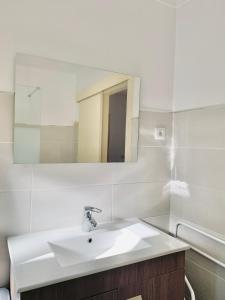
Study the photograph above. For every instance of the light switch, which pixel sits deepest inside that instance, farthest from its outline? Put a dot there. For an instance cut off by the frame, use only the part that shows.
(160, 133)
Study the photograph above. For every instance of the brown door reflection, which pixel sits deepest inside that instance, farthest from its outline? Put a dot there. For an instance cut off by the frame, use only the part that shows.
(117, 127)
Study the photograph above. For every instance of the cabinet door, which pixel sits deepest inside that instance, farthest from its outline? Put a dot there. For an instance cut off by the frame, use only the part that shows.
(171, 286)
(112, 295)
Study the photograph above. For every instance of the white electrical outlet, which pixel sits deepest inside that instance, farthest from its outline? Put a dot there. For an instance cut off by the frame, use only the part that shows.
(160, 133)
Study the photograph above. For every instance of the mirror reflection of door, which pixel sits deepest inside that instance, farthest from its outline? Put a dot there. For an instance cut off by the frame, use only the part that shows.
(90, 129)
(102, 126)
(117, 126)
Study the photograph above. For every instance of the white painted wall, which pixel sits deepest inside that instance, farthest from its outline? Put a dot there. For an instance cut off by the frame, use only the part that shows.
(200, 48)
(129, 36)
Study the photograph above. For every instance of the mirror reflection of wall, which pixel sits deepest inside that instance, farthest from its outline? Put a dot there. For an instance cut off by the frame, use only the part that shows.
(66, 113)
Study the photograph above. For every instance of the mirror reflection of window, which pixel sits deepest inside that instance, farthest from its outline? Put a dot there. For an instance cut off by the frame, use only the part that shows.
(67, 113)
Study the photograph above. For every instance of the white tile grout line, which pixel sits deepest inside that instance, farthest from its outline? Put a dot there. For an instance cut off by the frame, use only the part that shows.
(14, 190)
(199, 186)
(153, 146)
(86, 185)
(172, 157)
(31, 200)
(110, 184)
(112, 202)
(199, 148)
(176, 5)
(182, 110)
(206, 107)
(154, 110)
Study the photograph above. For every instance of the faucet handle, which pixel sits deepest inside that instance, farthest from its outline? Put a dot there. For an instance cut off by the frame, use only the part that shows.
(93, 209)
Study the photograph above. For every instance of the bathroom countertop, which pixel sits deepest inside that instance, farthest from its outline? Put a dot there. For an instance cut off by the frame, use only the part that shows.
(34, 265)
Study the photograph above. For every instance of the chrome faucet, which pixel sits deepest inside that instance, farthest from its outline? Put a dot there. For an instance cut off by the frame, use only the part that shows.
(89, 223)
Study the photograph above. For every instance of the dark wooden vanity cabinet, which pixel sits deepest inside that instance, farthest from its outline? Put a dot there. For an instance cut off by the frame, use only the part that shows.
(112, 295)
(160, 278)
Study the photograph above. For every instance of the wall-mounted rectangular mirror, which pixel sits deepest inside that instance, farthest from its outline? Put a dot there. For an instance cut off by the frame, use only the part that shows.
(68, 113)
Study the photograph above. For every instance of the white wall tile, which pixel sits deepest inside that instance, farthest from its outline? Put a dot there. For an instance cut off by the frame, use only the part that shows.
(64, 207)
(12, 176)
(14, 212)
(200, 128)
(140, 200)
(199, 205)
(65, 175)
(6, 116)
(206, 263)
(153, 165)
(201, 167)
(198, 191)
(206, 284)
(148, 122)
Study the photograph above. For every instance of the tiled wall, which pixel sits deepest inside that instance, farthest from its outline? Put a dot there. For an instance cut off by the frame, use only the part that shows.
(39, 197)
(58, 143)
(198, 191)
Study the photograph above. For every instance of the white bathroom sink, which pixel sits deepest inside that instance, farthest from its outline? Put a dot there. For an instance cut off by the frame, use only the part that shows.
(44, 258)
(98, 245)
